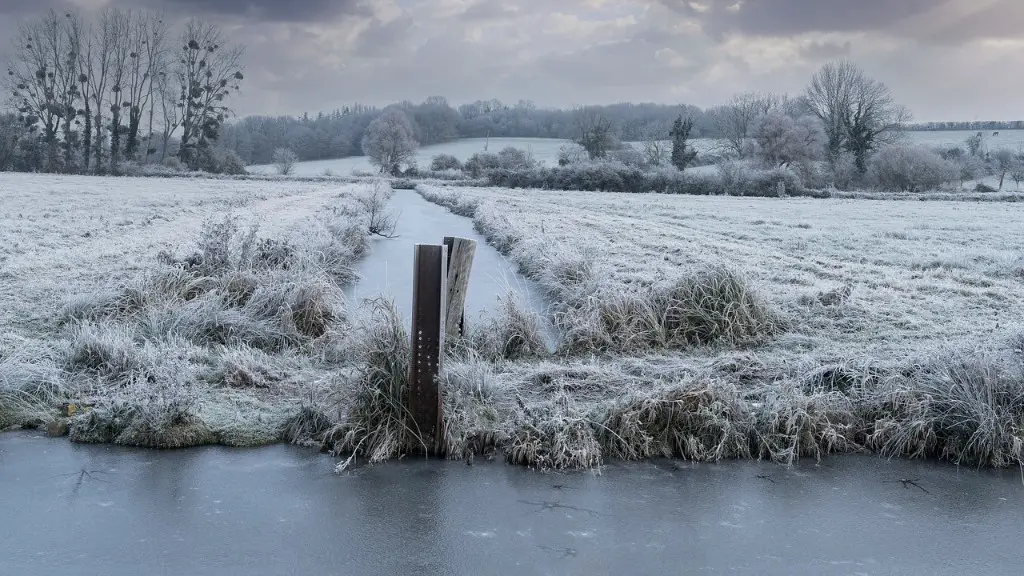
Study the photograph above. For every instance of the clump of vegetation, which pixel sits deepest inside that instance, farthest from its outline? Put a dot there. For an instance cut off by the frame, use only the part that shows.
(909, 169)
(966, 407)
(513, 332)
(442, 162)
(711, 306)
(705, 421)
(377, 425)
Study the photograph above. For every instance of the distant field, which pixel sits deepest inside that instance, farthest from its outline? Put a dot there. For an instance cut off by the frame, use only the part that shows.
(546, 150)
(921, 274)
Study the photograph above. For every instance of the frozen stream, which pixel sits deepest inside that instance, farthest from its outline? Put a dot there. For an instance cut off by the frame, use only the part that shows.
(387, 269)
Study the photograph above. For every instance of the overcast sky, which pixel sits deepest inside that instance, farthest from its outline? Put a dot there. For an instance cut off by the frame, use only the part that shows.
(945, 59)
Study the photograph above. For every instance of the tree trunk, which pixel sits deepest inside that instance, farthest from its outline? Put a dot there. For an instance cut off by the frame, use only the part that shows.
(98, 152)
(115, 137)
(132, 145)
(87, 138)
(68, 144)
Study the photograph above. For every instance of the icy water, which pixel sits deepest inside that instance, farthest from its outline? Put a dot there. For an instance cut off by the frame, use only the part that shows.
(84, 509)
(388, 268)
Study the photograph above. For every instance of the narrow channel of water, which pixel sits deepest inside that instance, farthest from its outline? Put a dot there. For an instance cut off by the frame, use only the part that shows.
(387, 270)
(88, 509)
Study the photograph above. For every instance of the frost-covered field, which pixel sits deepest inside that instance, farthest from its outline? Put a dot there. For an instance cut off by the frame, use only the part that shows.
(61, 235)
(919, 274)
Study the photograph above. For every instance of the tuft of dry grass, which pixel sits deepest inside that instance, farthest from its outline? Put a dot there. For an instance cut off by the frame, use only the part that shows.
(512, 332)
(554, 434)
(698, 420)
(376, 424)
(713, 305)
(966, 407)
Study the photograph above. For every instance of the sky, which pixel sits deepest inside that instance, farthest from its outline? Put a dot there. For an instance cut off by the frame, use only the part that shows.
(944, 59)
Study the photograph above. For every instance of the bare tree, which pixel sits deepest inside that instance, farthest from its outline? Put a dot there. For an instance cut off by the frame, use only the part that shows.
(208, 71)
(380, 219)
(284, 160)
(733, 120)
(156, 57)
(389, 141)
(782, 140)
(146, 36)
(94, 72)
(656, 149)
(858, 113)
(1017, 168)
(38, 80)
(117, 25)
(1003, 160)
(168, 95)
(594, 131)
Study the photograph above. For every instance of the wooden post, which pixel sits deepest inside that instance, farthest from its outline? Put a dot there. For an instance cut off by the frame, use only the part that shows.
(429, 292)
(460, 263)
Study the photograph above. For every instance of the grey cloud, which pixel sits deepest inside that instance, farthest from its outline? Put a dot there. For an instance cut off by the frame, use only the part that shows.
(826, 50)
(489, 10)
(264, 10)
(790, 17)
(383, 38)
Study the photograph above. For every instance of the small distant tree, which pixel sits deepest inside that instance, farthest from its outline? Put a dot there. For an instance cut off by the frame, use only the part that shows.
(1017, 171)
(284, 160)
(974, 144)
(389, 141)
(594, 132)
(656, 148)
(682, 153)
(1002, 160)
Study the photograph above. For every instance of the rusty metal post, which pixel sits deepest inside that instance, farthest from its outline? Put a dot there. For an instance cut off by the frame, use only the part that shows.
(429, 292)
(460, 263)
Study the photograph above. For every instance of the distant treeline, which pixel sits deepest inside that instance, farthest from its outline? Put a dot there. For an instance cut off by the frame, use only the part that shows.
(340, 133)
(976, 125)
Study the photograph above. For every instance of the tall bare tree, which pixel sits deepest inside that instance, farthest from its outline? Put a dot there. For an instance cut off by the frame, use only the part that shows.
(37, 78)
(120, 24)
(169, 98)
(858, 113)
(156, 55)
(146, 36)
(208, 71)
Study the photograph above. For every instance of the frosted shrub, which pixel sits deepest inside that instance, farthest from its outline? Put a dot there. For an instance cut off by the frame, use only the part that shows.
(443, 162)
(841, 171)
(899, 168)
(629, 156)
(570, 154)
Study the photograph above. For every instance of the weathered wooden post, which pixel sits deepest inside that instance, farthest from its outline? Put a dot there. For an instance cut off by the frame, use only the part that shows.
(429, 293)
(460, 263)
